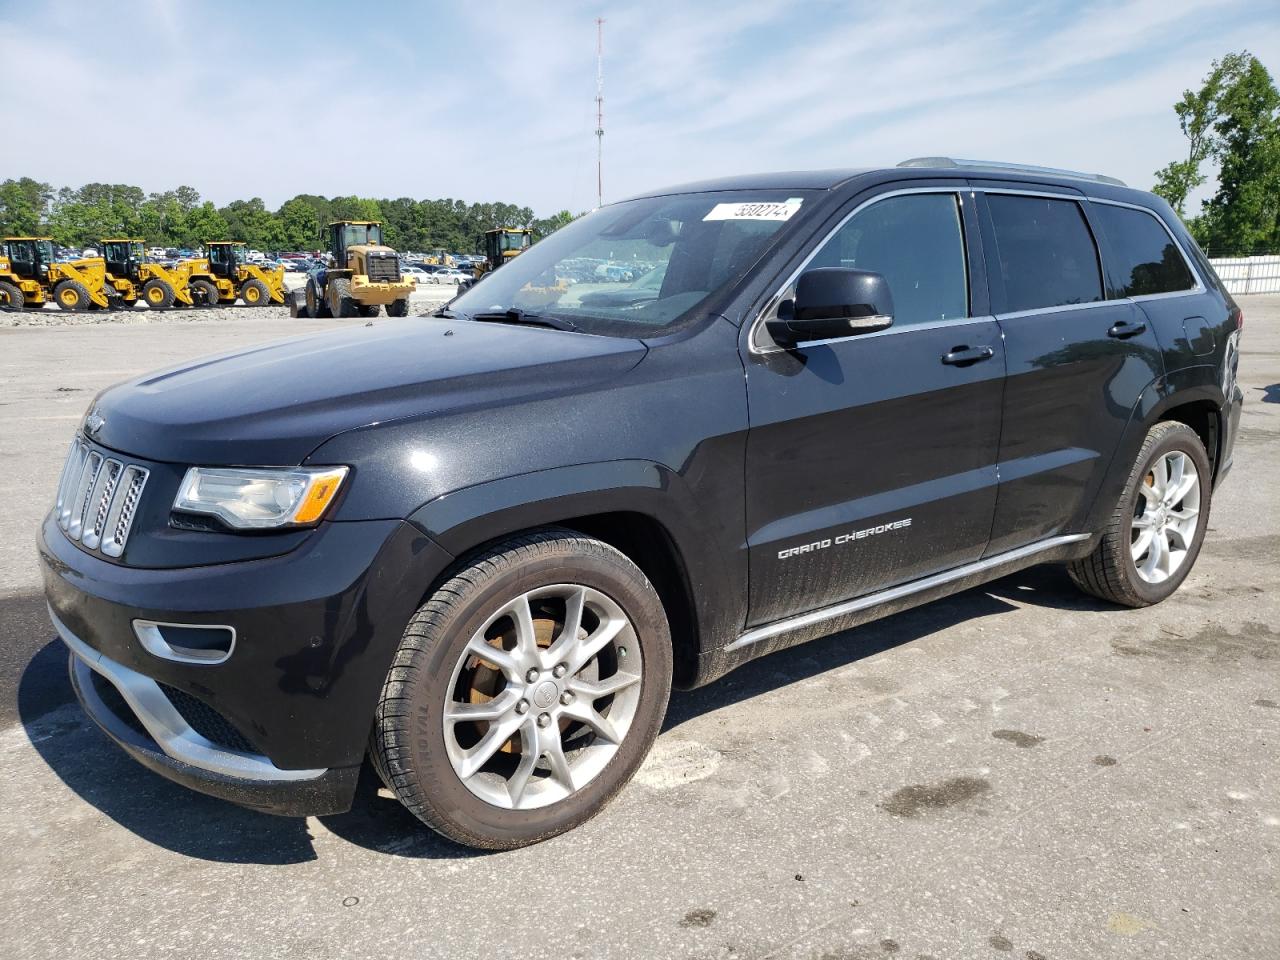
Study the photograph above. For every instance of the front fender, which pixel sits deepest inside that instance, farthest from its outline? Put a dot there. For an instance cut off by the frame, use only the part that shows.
(461, 520)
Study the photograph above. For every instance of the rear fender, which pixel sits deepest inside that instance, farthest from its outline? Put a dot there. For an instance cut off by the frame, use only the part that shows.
(1188, 385)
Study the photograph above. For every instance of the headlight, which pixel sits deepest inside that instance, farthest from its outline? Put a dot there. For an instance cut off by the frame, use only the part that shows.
(259, 499)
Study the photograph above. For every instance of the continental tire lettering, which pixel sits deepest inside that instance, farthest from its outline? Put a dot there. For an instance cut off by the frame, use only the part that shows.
(844, 538)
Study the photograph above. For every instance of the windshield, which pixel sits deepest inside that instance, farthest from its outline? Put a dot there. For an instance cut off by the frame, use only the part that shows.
(354, 234)
(638, 268)
(512, 241)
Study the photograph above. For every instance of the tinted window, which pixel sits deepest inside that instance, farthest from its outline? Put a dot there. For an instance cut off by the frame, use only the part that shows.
(1144, 257)
(1047, 256)
(916, 243)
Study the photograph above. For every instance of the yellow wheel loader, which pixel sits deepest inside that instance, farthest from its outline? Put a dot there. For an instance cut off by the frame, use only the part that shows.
(132, 277)
(363, 277)
(31, 277)
(499, 246)
(225, 273)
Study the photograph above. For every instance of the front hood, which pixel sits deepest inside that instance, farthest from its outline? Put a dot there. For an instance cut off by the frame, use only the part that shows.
(274, 404)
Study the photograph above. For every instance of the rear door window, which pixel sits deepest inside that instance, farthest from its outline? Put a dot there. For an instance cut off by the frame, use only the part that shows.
(1046, 252)
(1143, 259)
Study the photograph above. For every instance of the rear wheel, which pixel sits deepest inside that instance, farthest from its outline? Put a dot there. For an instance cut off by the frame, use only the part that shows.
(526, 691)
(11, 298)
(340, 302)
(1157, 528)
(254, 293)
(157, 294)
(398, 308)
(72, 295)
(204, 293)
(368, 309)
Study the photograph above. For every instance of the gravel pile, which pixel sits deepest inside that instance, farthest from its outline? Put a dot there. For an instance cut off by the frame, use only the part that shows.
(422, 301)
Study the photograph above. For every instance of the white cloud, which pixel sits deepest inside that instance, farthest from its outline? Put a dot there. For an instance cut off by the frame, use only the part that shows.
(494, 101)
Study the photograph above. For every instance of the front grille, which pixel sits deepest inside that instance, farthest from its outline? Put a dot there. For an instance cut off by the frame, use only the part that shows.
(206, 721)
(98, 498)
(383, 268)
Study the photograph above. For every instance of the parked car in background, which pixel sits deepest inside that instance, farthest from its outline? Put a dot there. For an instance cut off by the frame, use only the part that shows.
(416, 273)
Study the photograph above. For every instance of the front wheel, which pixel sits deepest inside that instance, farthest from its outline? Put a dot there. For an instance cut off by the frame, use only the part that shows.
(254, 293)
(72, 295)
(1155, 533)
(526, 691)
(398, 308)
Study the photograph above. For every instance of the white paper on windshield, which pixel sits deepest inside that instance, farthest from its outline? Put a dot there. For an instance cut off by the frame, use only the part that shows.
(755, 210)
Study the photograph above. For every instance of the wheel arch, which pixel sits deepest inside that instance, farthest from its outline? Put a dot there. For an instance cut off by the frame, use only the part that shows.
(633, 506)
(1192, 396)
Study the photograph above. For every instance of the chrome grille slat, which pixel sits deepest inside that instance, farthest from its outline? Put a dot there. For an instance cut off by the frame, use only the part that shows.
(120, 517)
(88, 477)
(100, 502)
(98, 498)
(70, 476)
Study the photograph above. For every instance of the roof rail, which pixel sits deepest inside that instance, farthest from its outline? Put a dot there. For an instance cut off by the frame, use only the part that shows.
(1011, 167)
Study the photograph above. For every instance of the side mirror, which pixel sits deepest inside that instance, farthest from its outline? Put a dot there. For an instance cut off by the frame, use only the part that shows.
(832, 302)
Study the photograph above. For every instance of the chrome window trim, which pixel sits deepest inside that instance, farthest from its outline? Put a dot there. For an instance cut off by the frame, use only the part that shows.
(814, 617)
(1060, 308)
(753, 346)
(162, 721)
(152, 639)
(1177, 244)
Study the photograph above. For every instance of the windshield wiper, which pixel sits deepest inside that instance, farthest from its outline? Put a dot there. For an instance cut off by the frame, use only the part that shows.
(516, 315)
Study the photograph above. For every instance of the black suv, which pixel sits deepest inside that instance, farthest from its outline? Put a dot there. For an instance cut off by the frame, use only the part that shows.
(479, 547)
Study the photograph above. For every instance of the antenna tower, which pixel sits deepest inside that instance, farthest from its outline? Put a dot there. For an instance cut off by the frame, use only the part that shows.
(599, 111)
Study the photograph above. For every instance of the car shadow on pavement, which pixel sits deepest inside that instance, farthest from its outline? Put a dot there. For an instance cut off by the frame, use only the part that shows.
(206, 828)
(1271, 394)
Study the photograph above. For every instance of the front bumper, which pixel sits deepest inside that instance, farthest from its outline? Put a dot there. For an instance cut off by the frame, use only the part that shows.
(380, 292)
(282, 724)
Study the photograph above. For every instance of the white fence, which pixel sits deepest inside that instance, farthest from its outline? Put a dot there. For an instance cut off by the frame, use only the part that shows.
(1249, 274)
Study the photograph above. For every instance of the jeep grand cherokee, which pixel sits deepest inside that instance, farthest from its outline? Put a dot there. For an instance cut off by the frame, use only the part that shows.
(684, 431)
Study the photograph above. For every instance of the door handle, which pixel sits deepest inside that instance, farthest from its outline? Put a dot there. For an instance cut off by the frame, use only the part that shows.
(963, 356)
(1126, 328)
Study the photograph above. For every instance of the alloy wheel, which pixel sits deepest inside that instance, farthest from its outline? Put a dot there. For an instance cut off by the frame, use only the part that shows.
(543, 696)
(1166, 515)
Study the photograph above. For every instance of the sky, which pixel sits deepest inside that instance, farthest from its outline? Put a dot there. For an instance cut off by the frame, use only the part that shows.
(494, 101)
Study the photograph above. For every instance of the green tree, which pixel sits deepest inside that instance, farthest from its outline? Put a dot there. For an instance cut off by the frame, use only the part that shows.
(1233, 120)
(24, 205)
(202, 224)
(549, 225)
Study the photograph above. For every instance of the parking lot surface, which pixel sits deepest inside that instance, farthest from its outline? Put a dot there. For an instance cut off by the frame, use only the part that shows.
(1018, 771)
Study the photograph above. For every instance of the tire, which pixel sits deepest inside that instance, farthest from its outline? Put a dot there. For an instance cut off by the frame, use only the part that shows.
(204, 293)
(254, 293)
(297, 303)
(317, 309)
(71, 295)
(157, 294)
(368, 309)
(11, 297)
(411, 748)
(1112, 571)
(339, 297)
(398, 308)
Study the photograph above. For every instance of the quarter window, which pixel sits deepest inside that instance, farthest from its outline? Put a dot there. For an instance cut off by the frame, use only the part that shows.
(1047, 255)
(916, 243)
(1143, 258)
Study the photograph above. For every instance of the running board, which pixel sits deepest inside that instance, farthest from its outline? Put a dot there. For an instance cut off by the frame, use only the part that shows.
(801, 621)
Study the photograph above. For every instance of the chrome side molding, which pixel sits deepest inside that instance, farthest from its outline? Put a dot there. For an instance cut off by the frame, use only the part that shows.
(813, 617)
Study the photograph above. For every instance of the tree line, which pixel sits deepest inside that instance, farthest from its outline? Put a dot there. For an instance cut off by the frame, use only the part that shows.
(180, 218)
(1232, 123)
